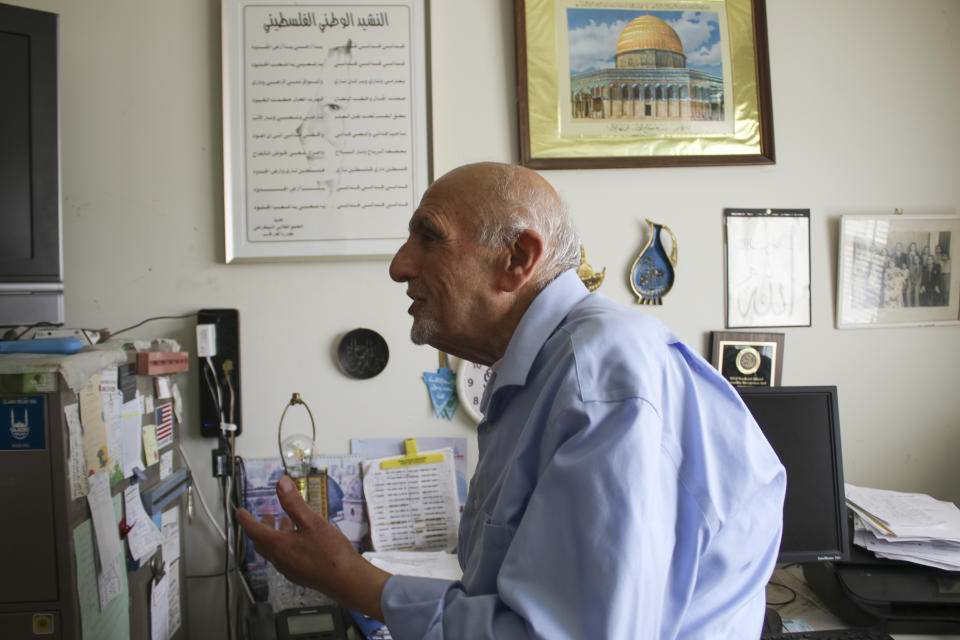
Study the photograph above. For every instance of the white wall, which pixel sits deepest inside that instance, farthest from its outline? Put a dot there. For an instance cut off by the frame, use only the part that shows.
(865, 102)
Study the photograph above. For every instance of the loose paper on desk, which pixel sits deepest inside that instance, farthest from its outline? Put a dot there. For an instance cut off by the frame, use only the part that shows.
(911, 527)
(906, 515)
(412, 506)
(423, 564)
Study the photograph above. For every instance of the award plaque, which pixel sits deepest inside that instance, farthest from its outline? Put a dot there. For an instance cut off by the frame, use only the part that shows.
(748, 359)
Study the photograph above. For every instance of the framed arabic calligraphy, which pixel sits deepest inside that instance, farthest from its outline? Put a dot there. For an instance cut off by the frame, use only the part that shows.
(325, 127)
(768, 267)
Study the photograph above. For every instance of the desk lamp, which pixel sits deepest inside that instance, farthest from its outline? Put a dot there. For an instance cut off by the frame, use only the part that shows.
(296, 451)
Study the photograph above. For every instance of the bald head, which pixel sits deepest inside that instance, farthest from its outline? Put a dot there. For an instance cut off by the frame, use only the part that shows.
(505, 200)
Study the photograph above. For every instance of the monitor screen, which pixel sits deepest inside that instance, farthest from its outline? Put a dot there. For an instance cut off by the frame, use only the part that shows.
(802, 425)
(31, 260)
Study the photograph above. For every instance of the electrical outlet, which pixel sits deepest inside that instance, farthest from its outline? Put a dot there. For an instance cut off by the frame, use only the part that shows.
(206, 340)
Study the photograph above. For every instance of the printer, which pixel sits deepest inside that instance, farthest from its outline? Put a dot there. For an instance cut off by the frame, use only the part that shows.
(895, 596)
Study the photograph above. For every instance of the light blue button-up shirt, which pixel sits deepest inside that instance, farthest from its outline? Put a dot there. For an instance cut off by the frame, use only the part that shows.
(622, 491)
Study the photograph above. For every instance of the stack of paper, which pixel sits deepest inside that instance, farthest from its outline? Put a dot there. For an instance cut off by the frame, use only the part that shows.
(912, 527)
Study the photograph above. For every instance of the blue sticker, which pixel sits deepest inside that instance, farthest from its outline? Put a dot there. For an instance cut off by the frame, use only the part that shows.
(22, 424)
(443, 392)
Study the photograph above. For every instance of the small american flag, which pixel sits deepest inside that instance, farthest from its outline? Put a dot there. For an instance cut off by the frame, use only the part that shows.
(164, 425)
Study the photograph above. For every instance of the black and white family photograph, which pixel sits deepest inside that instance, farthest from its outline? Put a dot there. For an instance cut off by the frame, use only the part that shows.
(897, 269)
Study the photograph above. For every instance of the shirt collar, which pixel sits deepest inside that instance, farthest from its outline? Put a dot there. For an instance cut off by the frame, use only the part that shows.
(539, 321)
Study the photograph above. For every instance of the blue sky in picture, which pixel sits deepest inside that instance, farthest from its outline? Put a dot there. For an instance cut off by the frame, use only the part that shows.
(592, 35)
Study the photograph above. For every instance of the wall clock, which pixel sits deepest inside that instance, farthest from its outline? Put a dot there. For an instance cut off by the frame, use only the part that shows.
(472, 379)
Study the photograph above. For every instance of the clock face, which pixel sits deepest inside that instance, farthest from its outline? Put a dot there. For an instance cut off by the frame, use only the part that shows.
(472, 379)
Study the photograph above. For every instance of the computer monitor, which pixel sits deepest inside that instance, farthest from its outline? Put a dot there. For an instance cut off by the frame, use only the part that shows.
(802, 425)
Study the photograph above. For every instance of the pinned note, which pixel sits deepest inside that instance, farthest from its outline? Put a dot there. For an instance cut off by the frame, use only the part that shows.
(144, 538)
(150, 452)
(76, 461)
(130, 419)
(429, 514)
(95, 449)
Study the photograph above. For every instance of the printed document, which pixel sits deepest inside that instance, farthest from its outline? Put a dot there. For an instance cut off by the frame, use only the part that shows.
(412, 506)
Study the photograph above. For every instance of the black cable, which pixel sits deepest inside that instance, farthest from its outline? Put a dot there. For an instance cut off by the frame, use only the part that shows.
(26, 329)
(112, 333)
(143, 322)
(240, 500)
(782, 586)
(226, 575)
(210, 377)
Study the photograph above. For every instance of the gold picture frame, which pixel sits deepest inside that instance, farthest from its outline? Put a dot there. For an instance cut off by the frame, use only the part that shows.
(748, 359)
(652, 106)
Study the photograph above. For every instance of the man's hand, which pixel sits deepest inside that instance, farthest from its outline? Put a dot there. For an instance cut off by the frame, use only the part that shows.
(316, 554)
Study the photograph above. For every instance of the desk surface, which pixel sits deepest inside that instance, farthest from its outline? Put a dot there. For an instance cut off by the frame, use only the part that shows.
(809, 608)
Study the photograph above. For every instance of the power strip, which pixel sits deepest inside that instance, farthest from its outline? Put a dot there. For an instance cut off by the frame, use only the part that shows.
(219, 336)
(88, 336)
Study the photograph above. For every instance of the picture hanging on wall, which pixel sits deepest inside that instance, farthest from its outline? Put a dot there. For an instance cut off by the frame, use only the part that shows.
(627, 84)
(748, 359)
(325, 127)
(768, 267)
(896, 270)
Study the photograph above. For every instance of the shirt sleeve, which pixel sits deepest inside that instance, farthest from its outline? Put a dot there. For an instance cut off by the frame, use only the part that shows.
(590, 557)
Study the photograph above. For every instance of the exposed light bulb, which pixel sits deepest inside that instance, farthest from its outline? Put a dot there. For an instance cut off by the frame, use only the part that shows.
(297, 451)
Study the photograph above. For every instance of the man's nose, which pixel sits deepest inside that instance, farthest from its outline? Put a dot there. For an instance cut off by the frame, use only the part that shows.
(401, 266)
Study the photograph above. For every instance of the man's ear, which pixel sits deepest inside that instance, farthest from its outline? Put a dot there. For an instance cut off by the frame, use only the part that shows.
(522, 260)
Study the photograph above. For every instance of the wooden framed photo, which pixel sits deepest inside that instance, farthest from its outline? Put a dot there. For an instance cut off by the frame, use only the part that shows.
(768, 267)
(896, 270)
(619, 83)
(324, 127)
(748, 359)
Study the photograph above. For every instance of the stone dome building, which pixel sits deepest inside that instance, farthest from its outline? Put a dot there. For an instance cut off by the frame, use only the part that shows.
(650, 81)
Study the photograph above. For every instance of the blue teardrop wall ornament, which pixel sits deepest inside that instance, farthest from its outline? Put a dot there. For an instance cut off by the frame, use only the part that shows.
(652, 273)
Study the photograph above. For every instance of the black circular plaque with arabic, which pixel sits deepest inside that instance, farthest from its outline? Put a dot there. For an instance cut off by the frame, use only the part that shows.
(362, 353)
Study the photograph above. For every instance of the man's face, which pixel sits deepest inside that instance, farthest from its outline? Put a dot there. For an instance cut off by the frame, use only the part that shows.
(449, 276)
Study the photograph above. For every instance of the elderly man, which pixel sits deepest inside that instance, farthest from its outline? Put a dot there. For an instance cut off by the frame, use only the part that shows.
(622, 490)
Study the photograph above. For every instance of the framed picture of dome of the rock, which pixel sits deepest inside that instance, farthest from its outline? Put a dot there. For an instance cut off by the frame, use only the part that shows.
(643, 83)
